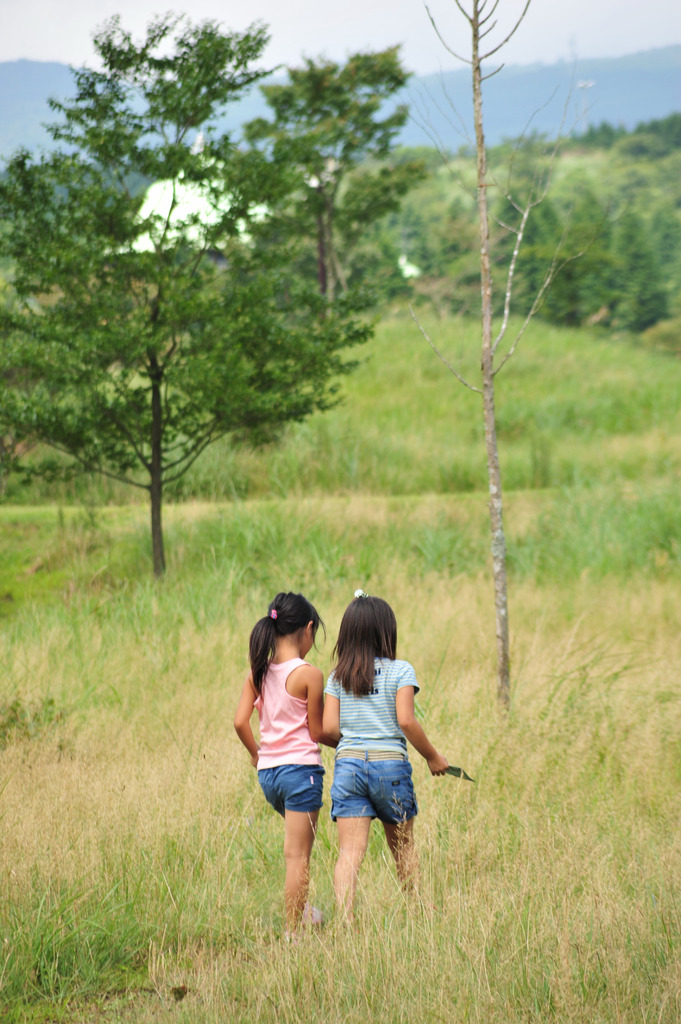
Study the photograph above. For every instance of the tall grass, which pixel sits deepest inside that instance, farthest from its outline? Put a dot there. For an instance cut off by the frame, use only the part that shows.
(602, 529)
(139, 857)
(141, 870)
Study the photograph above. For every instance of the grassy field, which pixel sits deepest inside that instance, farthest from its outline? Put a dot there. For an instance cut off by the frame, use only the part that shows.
(573, 406)
(138, 857)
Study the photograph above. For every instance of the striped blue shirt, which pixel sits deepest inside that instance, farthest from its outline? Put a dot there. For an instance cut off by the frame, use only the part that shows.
(370, 722)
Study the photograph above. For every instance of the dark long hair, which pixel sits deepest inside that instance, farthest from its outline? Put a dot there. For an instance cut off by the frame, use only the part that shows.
(286, 614)
(368, 630)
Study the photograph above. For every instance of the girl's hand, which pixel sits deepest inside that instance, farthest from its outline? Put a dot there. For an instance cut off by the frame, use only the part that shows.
(254, 760)
(438, 764)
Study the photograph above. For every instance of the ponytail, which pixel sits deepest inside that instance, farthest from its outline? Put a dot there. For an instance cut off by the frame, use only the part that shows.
(261, 647)
(286, 614)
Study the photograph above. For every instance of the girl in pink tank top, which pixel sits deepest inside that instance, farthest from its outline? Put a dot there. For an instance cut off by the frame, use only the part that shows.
(287, 693)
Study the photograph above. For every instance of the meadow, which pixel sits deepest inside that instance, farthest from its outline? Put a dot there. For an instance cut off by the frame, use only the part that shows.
(142, 871)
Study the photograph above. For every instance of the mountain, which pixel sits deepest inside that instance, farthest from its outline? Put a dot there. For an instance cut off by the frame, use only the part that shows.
(551, 99)
(25, 86)
(563, 97)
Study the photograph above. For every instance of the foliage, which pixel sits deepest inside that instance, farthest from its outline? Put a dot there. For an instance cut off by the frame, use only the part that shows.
(330, 122)
(599, 181)
(653, 139)
(600, 136)
(137, 341)
(644, 301)
(648, 139)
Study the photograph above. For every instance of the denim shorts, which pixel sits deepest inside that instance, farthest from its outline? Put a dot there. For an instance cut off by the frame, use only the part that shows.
(373, 789)
(293, 787)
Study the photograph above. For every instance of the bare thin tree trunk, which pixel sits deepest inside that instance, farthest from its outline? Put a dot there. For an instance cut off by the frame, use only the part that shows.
(487, 366)
(482, 19)
(156, 474)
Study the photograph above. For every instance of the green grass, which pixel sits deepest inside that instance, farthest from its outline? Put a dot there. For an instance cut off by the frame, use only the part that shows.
(573, 405)
(138, 855)
(408, 427)
(50, 559)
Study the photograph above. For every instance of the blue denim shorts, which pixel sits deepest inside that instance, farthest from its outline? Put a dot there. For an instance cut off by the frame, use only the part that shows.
(293, 787)
(373, 789)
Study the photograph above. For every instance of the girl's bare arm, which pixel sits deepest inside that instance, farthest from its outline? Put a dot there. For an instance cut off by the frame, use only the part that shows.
(415, 733)
(242, 719)
(316, 719)
(332, 719)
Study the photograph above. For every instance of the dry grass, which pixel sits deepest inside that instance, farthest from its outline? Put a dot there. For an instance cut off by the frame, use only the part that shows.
(138, 855)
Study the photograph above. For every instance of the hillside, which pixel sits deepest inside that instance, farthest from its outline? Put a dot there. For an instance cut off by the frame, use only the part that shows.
(622, 91)
(554, 98)
(575, 405)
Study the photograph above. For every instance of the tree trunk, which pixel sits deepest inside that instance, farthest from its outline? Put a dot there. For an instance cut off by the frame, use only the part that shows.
(487, 366)
(321, 255)
(156, 473)
(328, 255)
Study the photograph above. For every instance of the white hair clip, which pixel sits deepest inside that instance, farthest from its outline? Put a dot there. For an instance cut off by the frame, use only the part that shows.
(360, 593)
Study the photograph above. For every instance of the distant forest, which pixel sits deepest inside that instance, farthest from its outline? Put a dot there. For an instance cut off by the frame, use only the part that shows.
(611, 220)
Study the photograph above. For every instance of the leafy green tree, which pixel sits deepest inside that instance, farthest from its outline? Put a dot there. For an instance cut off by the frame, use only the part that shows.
(142, 333)
(653, 139)
(327, 120)
(642, 299)
(582, 236)
(601, 136)
(665, 237)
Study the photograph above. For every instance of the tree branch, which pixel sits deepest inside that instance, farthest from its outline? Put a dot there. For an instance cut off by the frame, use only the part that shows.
(464, 11)
(127, 433)
(193, 456)
(201, 442)
(93, 467)
(509, 278)
(426, 125)
(491, 13)
(437, 352)
(481, 34)
(464, 60)
(554, 269)
(513, 31)
(491, 74)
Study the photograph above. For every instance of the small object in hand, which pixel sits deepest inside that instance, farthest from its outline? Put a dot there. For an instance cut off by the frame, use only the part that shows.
(179, 992)
(459, 772)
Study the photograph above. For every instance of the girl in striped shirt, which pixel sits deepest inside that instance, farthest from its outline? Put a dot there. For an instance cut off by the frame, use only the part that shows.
(369, 710)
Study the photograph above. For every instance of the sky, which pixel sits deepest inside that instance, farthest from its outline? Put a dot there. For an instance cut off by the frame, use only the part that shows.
(553, 30)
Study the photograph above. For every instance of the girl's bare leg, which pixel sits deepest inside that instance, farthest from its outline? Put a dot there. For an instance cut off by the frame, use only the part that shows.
(301, 827)
(401, 842)
(353, 839)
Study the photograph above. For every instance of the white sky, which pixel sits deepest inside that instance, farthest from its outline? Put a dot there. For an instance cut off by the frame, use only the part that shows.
(61, 30)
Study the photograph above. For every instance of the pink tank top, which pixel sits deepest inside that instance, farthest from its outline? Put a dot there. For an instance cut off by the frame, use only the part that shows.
(284, 732)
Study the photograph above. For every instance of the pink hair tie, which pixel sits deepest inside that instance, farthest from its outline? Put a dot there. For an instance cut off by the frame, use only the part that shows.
(273, 613)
